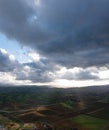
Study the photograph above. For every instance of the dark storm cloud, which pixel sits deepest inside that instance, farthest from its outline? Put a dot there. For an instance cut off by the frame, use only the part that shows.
(16, 22)
(68, 32)
(7, 62)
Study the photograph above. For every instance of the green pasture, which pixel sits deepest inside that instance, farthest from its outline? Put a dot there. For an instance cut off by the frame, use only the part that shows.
(89, 122)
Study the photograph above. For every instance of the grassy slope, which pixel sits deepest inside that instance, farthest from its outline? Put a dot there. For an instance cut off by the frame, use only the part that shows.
(104, 114)
(90, 122)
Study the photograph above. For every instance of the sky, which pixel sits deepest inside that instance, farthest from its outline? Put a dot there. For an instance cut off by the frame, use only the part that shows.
(61, 43)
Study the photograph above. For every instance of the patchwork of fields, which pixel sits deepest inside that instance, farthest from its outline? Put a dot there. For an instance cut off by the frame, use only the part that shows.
(71, 111)
(59, 116)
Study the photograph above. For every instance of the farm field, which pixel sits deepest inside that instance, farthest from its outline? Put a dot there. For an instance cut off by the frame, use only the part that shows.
(89, 122)
(57, 109)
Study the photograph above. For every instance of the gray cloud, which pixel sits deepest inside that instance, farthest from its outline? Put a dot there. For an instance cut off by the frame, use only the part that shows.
(71, 33)
(7, 62)
(81, 75)
(36, 71)
(32, 71)
(33, 75)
